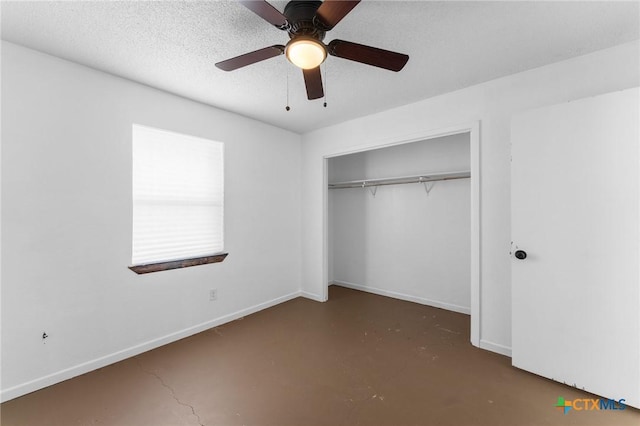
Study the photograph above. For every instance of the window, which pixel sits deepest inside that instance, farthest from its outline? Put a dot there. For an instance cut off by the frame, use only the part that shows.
(178, 200)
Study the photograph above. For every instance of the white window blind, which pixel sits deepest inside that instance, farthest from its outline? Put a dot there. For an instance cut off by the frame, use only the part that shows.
(178, 196)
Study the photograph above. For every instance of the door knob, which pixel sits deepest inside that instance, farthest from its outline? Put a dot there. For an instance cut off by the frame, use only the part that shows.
(520, 254)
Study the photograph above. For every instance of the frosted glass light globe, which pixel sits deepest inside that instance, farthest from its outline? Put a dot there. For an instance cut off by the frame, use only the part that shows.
(305, 52)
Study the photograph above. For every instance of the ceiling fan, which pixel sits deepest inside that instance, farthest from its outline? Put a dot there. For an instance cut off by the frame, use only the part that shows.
(307, 22)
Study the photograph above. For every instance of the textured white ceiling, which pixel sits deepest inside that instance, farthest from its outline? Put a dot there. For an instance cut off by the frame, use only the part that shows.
(173, 45)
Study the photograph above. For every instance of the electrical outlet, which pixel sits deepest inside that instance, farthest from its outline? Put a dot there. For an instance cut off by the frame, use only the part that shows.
(213, 294)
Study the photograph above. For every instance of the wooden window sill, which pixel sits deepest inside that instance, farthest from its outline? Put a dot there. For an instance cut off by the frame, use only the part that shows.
(176, 264)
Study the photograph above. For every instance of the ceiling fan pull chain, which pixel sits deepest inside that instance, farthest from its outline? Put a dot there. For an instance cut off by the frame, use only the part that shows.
(287, 107)
(326, 77)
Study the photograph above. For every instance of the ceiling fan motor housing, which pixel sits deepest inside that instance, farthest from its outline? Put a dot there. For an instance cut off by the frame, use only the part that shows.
(300, 15)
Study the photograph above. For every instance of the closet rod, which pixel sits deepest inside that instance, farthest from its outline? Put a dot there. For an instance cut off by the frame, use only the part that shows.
(427, 177)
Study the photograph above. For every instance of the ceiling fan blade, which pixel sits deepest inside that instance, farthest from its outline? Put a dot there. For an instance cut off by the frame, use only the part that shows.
(331, 12)
(251, 58)
(266, 12)
(368, 55)
(313, 81)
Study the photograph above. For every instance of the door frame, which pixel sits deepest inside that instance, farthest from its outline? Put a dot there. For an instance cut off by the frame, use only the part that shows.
(473, 129)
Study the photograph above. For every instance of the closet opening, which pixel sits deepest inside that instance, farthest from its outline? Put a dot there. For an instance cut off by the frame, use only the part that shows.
(402, 221)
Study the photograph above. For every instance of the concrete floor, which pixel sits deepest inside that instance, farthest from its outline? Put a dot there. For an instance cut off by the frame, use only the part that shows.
(359, 359)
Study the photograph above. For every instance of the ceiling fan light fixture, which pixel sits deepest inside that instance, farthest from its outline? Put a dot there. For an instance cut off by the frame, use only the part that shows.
(305, 52)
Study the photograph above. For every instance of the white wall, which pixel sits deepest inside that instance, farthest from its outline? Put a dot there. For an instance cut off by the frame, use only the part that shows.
(66, 221)
(403, 242)
(492, 103)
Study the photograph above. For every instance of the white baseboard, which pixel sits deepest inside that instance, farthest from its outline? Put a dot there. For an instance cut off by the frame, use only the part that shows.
(495, 347)
(77, 370)
(407, 297)
(312, 296)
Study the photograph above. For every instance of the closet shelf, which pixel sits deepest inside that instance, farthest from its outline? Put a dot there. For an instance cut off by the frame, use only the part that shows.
(426, 177)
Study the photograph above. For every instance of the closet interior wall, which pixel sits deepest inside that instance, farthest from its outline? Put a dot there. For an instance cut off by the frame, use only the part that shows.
(400, 240)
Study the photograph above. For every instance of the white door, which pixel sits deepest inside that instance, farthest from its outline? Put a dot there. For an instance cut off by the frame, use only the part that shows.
(575, 191)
